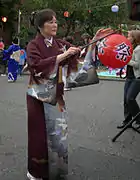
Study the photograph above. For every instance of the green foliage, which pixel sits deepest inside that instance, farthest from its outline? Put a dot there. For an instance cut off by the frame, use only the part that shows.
(8, 8)
(100, 15)
(79, 20)
(24, 35)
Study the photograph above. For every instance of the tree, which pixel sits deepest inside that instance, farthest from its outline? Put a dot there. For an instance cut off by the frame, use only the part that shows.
(11, 14)
(84, 15)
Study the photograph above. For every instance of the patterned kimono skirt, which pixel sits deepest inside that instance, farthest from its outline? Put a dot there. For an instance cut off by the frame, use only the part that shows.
(47, 140)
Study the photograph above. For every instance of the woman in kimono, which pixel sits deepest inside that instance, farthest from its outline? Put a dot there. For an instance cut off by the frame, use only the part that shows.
(47, 124)
(47, 127)
(12, 54)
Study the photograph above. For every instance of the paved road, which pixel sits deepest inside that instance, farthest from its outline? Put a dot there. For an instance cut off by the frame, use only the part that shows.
(94, 113)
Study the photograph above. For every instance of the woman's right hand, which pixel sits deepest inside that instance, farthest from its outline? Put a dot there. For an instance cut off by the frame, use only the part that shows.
(71, 51)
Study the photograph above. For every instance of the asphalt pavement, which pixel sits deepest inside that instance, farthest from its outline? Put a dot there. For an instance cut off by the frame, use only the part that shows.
(94, 113)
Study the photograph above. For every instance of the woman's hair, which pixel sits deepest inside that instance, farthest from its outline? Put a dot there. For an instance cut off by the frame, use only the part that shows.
(44, 16)
(136, 37)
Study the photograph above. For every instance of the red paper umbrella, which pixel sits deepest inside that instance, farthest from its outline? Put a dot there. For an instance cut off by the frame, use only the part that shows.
(115, 51)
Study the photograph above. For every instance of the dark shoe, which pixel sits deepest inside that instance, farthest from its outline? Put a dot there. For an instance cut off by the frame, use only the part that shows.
(121, 126)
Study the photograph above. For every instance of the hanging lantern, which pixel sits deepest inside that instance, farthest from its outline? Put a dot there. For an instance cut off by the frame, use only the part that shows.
(115, 51)
(66, 14)
(115, 8)
(4, 19)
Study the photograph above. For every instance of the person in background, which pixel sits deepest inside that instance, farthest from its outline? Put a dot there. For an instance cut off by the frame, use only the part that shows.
(21, 61)
(12, 55)
(132, 83)
(25, 67)
(97, 61)
(86, 38)
(3, 64)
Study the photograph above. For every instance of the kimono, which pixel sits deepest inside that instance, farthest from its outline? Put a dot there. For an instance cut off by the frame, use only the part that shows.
(47, 124)
(12, 54)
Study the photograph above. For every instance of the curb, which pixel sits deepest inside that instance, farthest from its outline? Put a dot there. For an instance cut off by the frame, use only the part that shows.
(111, 79)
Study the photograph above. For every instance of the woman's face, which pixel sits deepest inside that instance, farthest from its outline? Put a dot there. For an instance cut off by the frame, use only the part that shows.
(129, 37)
(50, 28)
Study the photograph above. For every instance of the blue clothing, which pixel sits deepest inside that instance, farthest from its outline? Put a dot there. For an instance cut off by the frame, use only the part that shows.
(22, 57)
(21, 61)
(12, 54)
(131, 90)
(20, 67)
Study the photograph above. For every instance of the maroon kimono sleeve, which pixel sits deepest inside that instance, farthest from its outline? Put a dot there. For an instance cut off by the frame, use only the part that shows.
(72, 62)
(37, 64)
